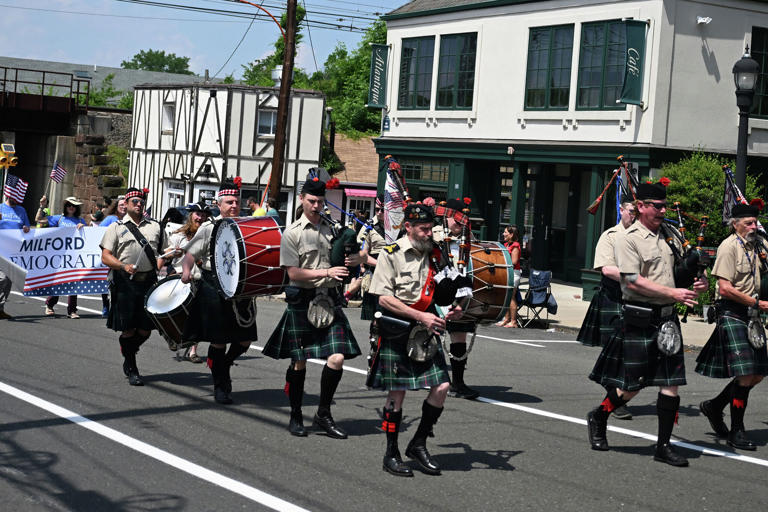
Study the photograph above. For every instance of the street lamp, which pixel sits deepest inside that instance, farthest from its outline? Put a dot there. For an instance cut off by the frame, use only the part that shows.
(745, 73)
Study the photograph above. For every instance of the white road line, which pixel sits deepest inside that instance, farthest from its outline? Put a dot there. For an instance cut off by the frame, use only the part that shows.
(64, 305)
(516, 342)
(163, 456)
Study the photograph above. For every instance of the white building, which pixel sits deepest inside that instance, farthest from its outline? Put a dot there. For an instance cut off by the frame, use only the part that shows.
(514, 103)
(187, 138)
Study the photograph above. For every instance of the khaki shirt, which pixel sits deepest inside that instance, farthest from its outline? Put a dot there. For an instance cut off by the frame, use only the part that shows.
(200, 245)
(373, 241)
(402, 273)
(124, 246)
(179, 241)
(732, 264)
(639, 251)
(308, 246)
(605, 255)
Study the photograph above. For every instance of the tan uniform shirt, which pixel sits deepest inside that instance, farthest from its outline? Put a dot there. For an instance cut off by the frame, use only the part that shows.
(605, 254)
(200, 245)
(308, 246)
(374, 241)
(124, 246)
(639, 251)
(179, 241)
(402, 273)
(733, 264)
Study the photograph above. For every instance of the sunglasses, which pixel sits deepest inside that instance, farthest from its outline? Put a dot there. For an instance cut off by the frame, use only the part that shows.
(658, 206)
(137, 201)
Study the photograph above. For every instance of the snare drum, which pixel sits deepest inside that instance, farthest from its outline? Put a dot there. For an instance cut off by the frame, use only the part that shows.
(245, 257)
(493, 281)
(168, 305)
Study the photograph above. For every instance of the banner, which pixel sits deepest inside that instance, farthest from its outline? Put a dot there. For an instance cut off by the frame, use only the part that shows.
(632, 91)
(58, 261)
(377, 87)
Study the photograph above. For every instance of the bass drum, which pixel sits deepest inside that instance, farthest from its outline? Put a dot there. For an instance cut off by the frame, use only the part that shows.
(167, 304)
(245, 257)
(493, 282)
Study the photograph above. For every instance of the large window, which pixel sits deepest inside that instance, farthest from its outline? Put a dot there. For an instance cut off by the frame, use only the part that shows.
(760, 54)
(456, 72)
(416, 60)
(548, 79)
(425, 170)
(601, 65)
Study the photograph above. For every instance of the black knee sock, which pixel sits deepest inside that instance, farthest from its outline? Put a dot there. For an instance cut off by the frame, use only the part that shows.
(739, 406)
(328, 383)
(391, 426)
(457, 367)
(235, 351)
(666, 410)
(217, 364)
(429, 416)
(128, 349)
(294, 386)
(610, 402)
(724, 398)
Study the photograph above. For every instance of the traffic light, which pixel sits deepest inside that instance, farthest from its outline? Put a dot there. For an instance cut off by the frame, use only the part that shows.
(8, 156)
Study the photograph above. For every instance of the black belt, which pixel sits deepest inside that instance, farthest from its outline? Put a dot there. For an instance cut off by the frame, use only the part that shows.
(729, 307)
(140, 277)
(663, 311)
(612, 288)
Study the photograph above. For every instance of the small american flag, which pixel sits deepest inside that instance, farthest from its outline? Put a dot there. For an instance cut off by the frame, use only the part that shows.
(15, 188)
(58, 173)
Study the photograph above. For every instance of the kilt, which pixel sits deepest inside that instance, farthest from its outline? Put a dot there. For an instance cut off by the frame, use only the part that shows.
(397, 372)
(369, 306)
(295, 338)
(460, 327)
(631, 360)
(602, 319)
(126, 298)
(211, 317)
(728, 353)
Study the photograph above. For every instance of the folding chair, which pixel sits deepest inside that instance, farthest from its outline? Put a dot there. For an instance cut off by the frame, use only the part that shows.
(538, 297)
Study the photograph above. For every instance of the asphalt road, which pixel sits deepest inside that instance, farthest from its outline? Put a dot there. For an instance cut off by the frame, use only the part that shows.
(75, 436)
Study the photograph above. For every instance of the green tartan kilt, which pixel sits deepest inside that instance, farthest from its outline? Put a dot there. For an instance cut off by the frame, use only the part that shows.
(369, 306)
(126, 303)
(631, 360)
(602, 319)
(728, 353)
(397, 372)
(295, 338)
(211, 317)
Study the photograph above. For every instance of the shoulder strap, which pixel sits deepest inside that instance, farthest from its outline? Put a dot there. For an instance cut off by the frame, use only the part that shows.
(142, 241)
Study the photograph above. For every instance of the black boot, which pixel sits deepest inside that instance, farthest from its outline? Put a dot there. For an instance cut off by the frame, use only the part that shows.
(737, 438)
(393, 462)
(222, 385)
(329, 381)
(458, 388)
(294, 388)
(713, 409)
(129, 347)
(597, 420)
(417, 448)
(666, 411)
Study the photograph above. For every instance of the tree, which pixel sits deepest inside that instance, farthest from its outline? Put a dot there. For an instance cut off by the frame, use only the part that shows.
(157, 60)
(107, 95)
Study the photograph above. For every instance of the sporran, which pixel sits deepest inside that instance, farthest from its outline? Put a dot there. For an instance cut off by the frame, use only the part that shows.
(755, 329)
(422, 346)
(668, 339)
(320, 312)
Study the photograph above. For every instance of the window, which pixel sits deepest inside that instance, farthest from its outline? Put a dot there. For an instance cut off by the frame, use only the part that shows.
(267, 122)
(363, 205)
(760, 54)
(456, 73)
(548, 78)
(416, 73)
(169, 114)
(601, 65)
(425, 170)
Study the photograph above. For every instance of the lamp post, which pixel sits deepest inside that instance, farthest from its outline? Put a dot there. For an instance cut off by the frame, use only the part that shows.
(745, 73)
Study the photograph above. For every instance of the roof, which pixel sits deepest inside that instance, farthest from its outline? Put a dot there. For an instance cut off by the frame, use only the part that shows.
(416, 8)
(360, 160)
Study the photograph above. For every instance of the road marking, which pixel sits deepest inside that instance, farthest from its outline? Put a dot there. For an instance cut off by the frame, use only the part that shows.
(79, 308)
(516, 342)
(163, 456)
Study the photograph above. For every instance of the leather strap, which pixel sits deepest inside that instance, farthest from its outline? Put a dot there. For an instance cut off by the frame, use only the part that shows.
(142, 242)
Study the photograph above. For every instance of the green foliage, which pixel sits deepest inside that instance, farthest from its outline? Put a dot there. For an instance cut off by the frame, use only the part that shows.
(329, 160)
(118, 156)
(698, 183)
(229, 79)
(107, 95)
(158, 60)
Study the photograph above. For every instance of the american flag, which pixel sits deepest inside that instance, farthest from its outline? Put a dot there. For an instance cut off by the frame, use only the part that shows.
(15, 188)
(58, 172)
(393, 208)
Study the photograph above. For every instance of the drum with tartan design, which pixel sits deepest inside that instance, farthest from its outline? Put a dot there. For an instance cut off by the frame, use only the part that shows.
(728, 353)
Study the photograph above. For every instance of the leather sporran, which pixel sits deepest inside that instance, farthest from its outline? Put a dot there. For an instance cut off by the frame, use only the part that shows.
(320, 312)
(365, 284)
(755, 330)
(422, 346)
(668, 339)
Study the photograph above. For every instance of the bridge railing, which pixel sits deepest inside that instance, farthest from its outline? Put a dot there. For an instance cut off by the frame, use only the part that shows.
(43, 84)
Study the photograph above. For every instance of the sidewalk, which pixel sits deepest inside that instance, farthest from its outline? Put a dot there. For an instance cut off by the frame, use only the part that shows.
(571, 311)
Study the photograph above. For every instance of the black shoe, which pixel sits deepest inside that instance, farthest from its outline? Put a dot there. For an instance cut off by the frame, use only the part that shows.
(596, 430)
(126, 368)
(134, 379)
(665, 453)
(738, 439)
(296, 425)
(5, 316)
(463, 391)
(622, 413)
(221, 396)
(715, 419)
(420, 454)
(326, 423)
(393, 464)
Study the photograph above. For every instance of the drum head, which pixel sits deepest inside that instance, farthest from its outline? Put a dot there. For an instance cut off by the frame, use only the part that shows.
(227, 252)
(167, 295)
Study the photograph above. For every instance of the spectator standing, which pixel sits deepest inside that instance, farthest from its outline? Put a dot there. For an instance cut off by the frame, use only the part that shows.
(12, 216)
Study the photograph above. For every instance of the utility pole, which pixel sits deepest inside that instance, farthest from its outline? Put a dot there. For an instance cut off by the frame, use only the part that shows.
(285, 97)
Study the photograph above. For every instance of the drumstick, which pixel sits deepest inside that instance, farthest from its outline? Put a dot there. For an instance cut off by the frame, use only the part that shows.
(136, 265)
